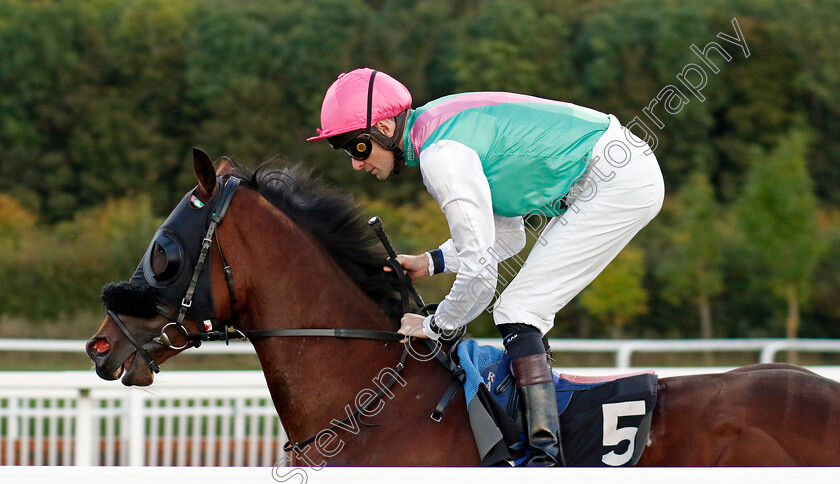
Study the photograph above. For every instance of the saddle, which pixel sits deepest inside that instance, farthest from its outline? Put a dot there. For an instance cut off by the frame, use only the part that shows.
(604, 421)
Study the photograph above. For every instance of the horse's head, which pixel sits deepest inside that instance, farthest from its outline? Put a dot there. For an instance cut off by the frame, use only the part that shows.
(170, 294)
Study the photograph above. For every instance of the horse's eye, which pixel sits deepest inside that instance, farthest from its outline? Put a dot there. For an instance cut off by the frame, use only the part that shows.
(158, 260)
(165, 259)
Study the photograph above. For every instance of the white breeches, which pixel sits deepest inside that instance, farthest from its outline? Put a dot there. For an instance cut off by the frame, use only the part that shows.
(620, 193)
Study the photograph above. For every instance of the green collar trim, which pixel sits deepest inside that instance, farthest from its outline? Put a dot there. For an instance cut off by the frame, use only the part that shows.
(408, 146)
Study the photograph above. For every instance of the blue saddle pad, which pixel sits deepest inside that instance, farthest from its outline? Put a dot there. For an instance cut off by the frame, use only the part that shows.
(489, 366)
(604, 422)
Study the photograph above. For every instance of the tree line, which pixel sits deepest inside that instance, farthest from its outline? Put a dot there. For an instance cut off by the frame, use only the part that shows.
(101, 102)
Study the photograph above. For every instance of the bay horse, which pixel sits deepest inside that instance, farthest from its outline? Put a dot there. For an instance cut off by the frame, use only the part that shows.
(296, 269)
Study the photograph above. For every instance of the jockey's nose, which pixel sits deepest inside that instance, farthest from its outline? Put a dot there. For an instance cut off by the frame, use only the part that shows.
(357, 164)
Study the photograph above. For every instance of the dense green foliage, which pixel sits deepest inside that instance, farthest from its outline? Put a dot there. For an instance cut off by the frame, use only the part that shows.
(102, 100)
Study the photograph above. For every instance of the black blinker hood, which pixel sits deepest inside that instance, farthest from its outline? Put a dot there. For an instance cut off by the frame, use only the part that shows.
(186, 227)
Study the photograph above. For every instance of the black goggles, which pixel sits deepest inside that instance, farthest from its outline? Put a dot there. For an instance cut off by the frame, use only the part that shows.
(357, 144)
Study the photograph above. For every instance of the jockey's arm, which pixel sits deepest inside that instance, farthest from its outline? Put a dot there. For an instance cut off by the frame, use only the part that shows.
(510, 239)
(454, 176)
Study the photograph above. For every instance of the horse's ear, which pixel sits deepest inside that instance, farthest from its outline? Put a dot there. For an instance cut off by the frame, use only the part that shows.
(225, 167)
(204, 172)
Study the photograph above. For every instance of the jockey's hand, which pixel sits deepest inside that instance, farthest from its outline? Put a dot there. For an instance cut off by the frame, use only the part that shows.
(416, 266)
(412, 325)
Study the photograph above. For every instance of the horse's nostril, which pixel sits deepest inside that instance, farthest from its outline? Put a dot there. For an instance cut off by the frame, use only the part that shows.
(101, 346)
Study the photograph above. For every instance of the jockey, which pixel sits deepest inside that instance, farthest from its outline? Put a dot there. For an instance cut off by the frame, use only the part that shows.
(495, 162)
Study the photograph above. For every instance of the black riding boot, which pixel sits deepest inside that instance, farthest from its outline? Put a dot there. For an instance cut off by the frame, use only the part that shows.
(536, 387)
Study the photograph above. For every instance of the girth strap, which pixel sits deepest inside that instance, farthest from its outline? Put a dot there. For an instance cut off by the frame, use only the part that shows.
(459, 376)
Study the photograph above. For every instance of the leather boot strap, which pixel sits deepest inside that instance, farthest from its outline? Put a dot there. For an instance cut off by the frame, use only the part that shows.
(531, 370)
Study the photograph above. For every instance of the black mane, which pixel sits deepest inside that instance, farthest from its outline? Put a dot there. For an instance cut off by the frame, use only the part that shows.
(335, 221)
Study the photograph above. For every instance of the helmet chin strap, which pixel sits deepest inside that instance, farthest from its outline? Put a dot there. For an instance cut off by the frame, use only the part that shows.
(399, 164)
(391, 144)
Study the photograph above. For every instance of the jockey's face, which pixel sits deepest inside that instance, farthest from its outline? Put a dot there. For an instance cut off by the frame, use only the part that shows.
(380, 163)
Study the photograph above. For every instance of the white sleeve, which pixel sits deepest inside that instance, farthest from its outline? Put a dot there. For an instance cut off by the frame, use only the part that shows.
(510, 240)
(453, 175)
(510, 236)
(451, 264)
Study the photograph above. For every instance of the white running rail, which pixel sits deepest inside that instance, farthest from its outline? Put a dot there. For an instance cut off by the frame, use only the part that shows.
(201, 418)
(185, 419)
(223, 418)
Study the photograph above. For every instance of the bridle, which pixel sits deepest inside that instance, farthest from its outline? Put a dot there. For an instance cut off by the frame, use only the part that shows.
(177, 320)
(225, 330)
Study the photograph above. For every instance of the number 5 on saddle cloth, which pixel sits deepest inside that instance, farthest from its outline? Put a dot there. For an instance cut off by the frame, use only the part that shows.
(604, 422)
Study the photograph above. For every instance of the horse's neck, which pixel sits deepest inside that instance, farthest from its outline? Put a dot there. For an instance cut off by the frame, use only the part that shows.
(292, 283)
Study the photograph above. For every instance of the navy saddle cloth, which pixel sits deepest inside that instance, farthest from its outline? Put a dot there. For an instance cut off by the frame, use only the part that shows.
(603, 421)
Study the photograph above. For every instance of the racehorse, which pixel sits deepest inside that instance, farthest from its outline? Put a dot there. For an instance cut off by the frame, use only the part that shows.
(295, 268)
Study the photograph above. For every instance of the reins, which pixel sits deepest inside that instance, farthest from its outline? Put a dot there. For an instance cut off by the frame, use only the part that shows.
(225, 330)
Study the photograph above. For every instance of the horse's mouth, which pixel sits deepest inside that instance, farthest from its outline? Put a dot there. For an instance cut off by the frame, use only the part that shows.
(105, 359)
(132, 374)
(136, 375)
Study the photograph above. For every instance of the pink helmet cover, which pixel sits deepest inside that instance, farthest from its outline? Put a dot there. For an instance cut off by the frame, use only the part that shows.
(345, 105)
